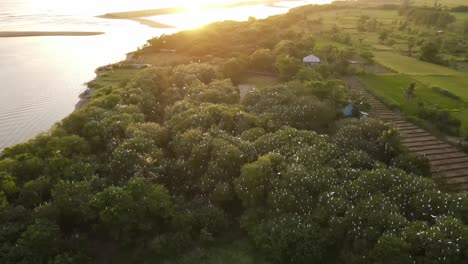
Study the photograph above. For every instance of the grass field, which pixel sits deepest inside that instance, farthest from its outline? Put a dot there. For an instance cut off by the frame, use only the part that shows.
(163, 59)
(114, 78)
(410, 65)
(233, 253)
(430, 3)
(455, 84)
(261, 80)
(391, 88)
(461, 16)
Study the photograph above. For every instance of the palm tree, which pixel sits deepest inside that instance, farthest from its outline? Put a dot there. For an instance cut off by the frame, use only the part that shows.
(411, 44)
(410, 92)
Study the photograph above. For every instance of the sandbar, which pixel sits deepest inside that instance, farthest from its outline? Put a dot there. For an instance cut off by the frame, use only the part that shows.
(139, 15)
(15, 34)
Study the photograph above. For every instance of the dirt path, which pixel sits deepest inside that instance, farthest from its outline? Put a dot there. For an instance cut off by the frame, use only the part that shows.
(447, 162)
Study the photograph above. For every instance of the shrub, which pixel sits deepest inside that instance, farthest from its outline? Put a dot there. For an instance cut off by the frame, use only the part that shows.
(442, 120)
(412, 163)
(446, 93)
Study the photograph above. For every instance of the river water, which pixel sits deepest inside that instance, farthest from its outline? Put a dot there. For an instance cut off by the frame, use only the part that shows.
(42, 77)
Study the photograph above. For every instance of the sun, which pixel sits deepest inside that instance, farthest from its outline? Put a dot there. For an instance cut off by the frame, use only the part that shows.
(197, 13)
(198, 5)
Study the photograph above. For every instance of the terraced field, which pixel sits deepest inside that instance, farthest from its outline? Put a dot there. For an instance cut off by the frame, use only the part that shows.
(412, 66)
(449, 165)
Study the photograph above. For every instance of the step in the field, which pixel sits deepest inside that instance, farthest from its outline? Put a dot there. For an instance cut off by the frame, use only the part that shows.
(383, 114)
(377, 108)
(390, 117)
(411, 131)
(402, 122)
(453, 180)
(421, 149)
(437, 151)
(396, 119)
(414, 134)
(406, 140)
(449, 161)
(417, 146)
(440, 157)
(419, 139)
(450, 167)
(461, 173)
(454, 185)
(406, 126)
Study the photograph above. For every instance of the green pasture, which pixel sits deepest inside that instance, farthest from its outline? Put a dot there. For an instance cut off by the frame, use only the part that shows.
(461, 16)
(261, 80)
(410, 65)
(463, 117)
(163, 59)
(455, 84)
(112, 78)
(448, 3)
(322, 43)
(391, 89)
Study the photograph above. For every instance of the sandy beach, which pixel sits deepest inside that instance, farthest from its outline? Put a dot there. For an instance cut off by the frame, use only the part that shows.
(15, 34)
(139, 15)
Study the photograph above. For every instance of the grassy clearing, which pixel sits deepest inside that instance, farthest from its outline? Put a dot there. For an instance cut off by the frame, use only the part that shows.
(163, 59)
(460, 16)
(261, 80)
(391, 88)
(112, 78)
(105, 82)
(410, 65)
(455, 84)
(463, 117)
(322, 43)
(430, 3)
(235, 253)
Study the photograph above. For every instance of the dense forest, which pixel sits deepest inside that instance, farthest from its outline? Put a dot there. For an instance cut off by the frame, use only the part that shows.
(170, 164)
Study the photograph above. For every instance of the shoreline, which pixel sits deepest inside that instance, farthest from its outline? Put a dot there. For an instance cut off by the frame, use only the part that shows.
(85, 98)
(138, 15)
(150, 23)
(16, 34)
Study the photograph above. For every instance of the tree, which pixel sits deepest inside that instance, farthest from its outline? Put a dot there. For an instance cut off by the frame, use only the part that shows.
(334, 91)
(411, 44)
(40, 243)
(410, 92)
(138, 210)
(383, 35)
(71, 199)
(136, 156)
(430, 52)
(216, 92)
(35, 192)
(234, 69)
(368, 57)
(287, 66)
(372, 136)
(262, 60)
(185, 75)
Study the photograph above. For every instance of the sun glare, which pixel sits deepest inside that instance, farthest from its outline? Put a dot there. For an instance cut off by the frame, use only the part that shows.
(193, 6)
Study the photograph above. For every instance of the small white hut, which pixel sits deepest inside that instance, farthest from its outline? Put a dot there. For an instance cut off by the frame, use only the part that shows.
(312, 60)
